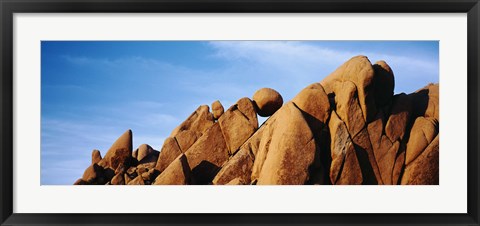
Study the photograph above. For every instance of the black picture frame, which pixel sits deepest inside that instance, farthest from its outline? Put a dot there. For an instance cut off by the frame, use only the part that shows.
(9, 7)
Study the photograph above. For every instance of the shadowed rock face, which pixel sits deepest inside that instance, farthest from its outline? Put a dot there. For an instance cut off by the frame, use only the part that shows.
(348, 129)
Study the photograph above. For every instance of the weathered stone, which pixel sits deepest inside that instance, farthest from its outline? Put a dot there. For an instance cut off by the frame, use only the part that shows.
(399, 165)
(384, 83)
(143, 151)
(96, 156)
(348, 108)
(366, 158)
(80, 182)
(170, 151)
(207, 155)
(425, 168)
(92, 173)
(199, 121)
(386, 162)
(247, 108)
(292, 150)
(237, 181)
(217, 109)
(177, 173)
(236, 128)
(314, 101)
(267, 101)
(358, 70)
(118, 180)
(399, 117)
(187, 138)
(425, 101)
(424, 130)
(119, 153)
(239, 166)
(137, 181)
(345, 168)
(150, 160)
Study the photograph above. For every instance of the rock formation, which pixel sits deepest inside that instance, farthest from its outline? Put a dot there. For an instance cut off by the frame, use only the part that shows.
(348, 129)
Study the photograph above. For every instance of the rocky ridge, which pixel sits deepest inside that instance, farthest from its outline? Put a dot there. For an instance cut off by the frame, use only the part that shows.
(348, 129)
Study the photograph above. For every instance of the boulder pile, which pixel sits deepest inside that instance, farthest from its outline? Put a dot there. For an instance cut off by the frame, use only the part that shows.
(348, 129)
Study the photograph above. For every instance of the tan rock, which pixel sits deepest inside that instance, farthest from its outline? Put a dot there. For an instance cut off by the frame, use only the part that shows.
(292, 150)
(135, 154)
(423, 132)
(199, 121)
(96, 156)
(386, 162)
(127, 178)
(137, 181)
(314, 101)
(207, 155)
(150, 160)
(177, 173)
(119, 153)
(236, 128)
(92, 173)
(118, 180)
(358, 70)
(366, 158)
(424, 169)
(348, 108)
(170, 151)
(384, 83)
(217, 109)
(237, 181)
(186, 138)
(425, 101)
(247, 108)
(143, 150)
(345, 168)
(239, 166)
(399, 165)
(268, 101)
(80, 182)
(399, 117)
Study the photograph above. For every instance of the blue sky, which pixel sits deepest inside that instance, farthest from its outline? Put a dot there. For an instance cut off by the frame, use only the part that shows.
(92, 91)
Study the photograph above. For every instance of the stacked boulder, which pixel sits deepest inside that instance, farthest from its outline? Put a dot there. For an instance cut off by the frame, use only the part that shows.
(348, 129)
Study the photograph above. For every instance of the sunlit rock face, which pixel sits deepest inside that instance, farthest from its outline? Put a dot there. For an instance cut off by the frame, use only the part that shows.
(348, 129)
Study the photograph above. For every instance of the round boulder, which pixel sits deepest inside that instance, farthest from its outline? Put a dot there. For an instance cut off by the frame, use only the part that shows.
(217, 109)
(267, 101)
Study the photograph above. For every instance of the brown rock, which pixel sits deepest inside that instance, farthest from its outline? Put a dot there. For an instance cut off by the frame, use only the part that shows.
(348, 108)
(247, 108)
(143, 150)
(92, 173)
(384, 83)
(217, 109)
(314, 101)
(424, 169)
(366, 158)
(399, 165)
(386, 162)
(150, 160)
(237, 181)
(137, 181)
(236, 128)
(170, 151)
(345, 168)
(118, 180)
(292, 150)
(96, 156)
(425, 101)
(80, 182)
(399, 117)
(239, 166)
(127, 178)
(358, 70)
(268, 101)
(120, 169)
(119, 152)
(199, 121)
(207, 155)
(423, 132)
(187, 138)
(177, 173)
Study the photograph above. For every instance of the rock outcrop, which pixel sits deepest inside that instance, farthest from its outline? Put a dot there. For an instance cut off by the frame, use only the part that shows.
(348, 129)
